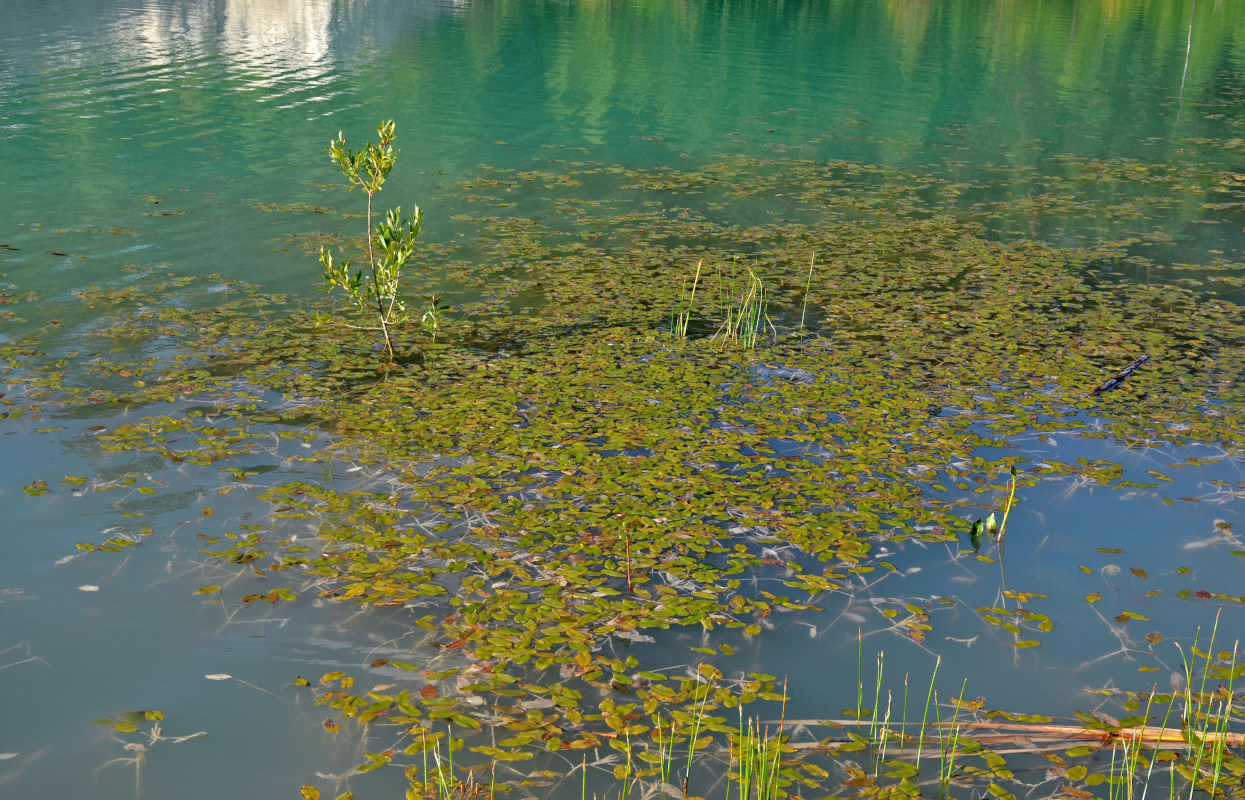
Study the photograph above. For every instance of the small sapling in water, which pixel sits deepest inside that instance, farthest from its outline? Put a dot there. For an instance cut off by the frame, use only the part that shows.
(389, 243)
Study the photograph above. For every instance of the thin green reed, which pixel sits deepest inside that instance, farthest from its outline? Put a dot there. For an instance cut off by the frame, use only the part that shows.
(679, 322)
(1221, 723)
(1195, 716)
(697, 718)
(948, 744)
(920, 745)
(860, 681)
(877, 697)
(807, 283)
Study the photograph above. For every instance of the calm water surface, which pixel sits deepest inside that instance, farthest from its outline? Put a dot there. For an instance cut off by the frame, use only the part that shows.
(149, 135)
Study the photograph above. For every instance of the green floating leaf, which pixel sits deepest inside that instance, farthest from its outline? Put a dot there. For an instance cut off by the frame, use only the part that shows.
(467, 722)
(1000, 792)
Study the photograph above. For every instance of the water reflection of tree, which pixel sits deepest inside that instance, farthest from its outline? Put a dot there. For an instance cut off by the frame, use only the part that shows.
(696, 67)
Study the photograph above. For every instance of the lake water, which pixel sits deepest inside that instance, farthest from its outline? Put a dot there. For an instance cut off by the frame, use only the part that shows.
(140, 137)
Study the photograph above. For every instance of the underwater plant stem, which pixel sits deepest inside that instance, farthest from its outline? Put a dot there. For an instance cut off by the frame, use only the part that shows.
(1185, 74)
(627, 544)
(371, 260)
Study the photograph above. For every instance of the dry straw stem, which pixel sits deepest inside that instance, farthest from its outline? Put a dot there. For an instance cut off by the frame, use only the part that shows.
(1035, 737)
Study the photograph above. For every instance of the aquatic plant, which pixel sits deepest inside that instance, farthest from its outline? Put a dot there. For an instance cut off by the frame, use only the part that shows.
(755, 757)
(744, 308)
(147, 724)
(564, 487)
(431, 318)
(390, 244)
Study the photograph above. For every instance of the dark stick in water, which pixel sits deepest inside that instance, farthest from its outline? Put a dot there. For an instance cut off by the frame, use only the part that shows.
(1121, 376)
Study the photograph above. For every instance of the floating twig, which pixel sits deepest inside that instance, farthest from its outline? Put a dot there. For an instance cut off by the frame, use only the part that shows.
(1120, 376)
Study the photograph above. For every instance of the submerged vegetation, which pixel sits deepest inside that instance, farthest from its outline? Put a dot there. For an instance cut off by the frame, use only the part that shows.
(572, 474)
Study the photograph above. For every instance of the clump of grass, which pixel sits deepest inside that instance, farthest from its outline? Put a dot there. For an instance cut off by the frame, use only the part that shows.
(439, 780)
(744, 309)
(948, 740)
(742, 304)
(1207, 716)
(668, 737)
(756, 754)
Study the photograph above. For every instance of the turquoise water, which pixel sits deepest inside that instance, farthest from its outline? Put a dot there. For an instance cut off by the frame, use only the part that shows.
(141, 136)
